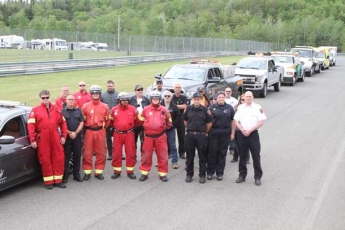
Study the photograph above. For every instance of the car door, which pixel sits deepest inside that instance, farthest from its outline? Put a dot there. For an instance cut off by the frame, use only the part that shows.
(217, 86)
(17, 160)
(270, 73)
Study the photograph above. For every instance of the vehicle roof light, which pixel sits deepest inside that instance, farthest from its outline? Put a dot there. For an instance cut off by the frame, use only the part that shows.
(259, 54)
(9, 103)
(203, 61)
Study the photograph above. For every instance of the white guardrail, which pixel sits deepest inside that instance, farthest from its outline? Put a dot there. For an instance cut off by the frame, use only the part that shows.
(40, 67)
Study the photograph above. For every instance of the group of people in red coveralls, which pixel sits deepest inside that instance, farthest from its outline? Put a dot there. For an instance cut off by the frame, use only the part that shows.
(50, 125)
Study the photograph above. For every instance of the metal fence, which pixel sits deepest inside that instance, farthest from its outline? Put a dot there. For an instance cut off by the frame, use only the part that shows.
(125, 45)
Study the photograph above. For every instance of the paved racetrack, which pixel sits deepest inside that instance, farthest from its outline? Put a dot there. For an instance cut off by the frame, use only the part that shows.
(302, 186)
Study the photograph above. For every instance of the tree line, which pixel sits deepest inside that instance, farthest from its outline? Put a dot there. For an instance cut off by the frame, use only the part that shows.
(295, 22)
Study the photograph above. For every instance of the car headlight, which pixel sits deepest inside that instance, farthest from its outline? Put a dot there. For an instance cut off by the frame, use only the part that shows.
(289, 73)
(258, 78)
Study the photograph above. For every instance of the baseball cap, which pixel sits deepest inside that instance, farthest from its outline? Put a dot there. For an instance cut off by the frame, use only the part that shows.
(138, 87)
(196, 95)
(200, 89)
(159, 81)
(214, 96)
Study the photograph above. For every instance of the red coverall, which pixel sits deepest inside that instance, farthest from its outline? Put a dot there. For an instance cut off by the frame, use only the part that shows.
(124, 119)
(155, 122)
(43, 124)
(81, 98)
(96, 115)
(59, 103)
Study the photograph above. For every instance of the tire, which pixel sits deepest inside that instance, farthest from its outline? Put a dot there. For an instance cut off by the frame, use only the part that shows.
(263, 92)
(277, 85)
(293, 80)
(238, 94)
(302, 78)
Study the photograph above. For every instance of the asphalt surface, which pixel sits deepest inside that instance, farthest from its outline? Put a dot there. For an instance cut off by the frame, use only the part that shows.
(302, 186)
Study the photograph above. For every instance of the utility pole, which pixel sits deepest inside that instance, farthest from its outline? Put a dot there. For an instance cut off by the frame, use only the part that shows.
(118, 33)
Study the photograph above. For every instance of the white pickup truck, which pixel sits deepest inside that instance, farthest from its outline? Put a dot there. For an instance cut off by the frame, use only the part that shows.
(258, 72)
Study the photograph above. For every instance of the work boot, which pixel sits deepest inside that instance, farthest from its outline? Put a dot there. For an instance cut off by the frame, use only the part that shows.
(143, 177)
(115, 176)
(123, 157)
(99, 176)
(87, 177)
(234, 160)
(209, 177)
(240, 180)
(60, 185)
(257, 182)
(131, 176)
(50, 186)
(64, 180)
(77, 178)
(183, 155)
(164, 178)
(202, 180)
(189, 179)
(219, 178)
(174, 166)
(110, 157)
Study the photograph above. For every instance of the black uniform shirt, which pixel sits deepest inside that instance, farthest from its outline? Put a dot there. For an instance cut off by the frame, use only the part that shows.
(197, 118)
(222, 116)
(73, 117)
(182, 99)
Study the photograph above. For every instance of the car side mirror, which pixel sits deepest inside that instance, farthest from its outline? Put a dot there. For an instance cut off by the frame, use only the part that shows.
(6, 140)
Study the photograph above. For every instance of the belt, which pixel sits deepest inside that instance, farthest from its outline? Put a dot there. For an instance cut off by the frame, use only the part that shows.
(196, 132)
(94, 128)
(123, 132)
(155, 135)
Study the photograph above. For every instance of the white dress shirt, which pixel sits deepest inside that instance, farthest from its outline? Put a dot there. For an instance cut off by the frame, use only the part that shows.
(249, 116)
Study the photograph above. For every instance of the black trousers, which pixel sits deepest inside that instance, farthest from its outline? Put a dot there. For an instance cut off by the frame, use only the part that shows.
(218, 142)
(73, 146)
(199, 142)
(181, 134)
(139, 133)
(109, 135)
(236, 149)
(252, 142)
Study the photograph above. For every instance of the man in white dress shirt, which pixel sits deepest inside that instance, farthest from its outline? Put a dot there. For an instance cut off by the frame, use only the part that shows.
(249, 118)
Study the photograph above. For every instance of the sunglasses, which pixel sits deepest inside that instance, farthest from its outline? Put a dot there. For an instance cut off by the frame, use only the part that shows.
(243, 99)
(43, 98)
(167, 96)
(81, 85)
(140, 89)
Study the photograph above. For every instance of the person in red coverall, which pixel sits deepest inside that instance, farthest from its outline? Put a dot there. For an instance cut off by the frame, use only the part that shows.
(96, 115)
(156, 120)
(60, 102)
(43, 124)
(82, 96)
(124, 119)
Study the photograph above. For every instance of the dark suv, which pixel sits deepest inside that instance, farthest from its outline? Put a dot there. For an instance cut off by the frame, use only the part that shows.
(207, 74)
(18, 161)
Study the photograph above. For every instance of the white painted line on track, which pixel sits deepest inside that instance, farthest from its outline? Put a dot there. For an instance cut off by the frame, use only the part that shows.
(309, 223)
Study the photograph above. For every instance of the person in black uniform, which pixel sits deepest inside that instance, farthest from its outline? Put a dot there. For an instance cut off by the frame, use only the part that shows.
(222, 131)
(75, 122)
(198, 120)
(181, 102)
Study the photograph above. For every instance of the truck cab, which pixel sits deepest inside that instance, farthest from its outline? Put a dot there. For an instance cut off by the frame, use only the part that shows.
(207, 74)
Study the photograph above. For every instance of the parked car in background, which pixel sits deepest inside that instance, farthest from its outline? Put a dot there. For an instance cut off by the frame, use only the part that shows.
(293, 67)
(322, 56)
(258, 72)
(18, 161)
(307, 55)
(332, 53)
(208, 74)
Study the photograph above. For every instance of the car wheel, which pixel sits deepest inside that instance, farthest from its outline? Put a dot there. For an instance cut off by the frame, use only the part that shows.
(277, 85)
(238, 95)
(293, 80)
(264, 91)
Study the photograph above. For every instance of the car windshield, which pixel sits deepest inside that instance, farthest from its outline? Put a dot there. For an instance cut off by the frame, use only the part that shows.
(282, 59)
(252, 64)
(302, 53)
(320, 55)
(184, 73)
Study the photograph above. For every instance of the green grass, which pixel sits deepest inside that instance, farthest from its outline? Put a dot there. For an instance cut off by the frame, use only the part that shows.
(26, 88)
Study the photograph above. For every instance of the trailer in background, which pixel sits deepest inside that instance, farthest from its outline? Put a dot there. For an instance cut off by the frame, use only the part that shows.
(11, 42)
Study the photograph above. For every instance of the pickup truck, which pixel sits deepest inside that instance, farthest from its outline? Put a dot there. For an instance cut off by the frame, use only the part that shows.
(258, 72)
(208, 74)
